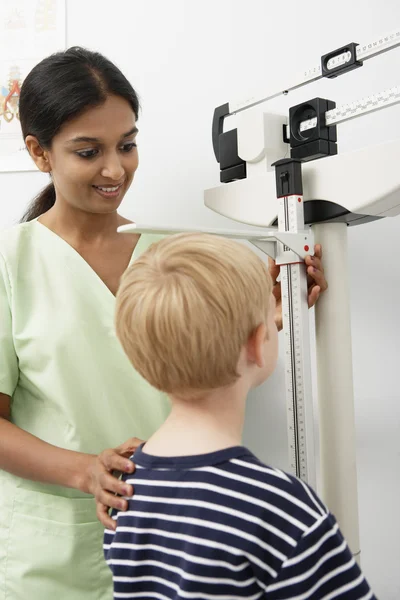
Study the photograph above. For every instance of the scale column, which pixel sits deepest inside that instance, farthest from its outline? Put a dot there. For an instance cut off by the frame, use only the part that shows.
(335, 385)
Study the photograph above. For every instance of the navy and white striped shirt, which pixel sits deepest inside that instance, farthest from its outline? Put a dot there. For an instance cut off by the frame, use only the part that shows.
(224, 526)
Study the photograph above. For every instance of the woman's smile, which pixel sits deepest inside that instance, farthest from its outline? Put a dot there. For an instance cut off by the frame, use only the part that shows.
(109, 191)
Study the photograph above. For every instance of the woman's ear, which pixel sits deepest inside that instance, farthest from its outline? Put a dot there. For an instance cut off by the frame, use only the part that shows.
(39, 156)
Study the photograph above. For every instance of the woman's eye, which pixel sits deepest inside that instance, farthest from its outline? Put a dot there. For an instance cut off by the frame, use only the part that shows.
(87, 153)
(128, 147)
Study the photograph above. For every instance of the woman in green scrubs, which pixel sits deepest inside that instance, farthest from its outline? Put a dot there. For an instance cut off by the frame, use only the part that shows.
(67, 391)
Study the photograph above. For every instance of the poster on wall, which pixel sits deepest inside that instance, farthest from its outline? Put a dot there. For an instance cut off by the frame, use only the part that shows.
(29, 31)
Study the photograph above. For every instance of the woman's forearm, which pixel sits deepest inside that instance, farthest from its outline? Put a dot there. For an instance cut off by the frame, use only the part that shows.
(27, 456)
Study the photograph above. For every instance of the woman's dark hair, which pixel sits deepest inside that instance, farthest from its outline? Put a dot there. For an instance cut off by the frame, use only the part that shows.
(58, 89)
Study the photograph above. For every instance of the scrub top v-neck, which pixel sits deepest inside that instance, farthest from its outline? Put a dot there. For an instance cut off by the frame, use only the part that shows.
(72, 386)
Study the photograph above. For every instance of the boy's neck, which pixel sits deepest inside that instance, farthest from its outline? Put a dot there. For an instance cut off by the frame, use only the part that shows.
(211, 423)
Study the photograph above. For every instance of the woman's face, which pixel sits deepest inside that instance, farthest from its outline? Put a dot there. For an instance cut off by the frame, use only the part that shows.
(94, 157)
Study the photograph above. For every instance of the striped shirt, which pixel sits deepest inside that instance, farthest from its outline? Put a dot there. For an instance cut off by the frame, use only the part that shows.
(225, 526)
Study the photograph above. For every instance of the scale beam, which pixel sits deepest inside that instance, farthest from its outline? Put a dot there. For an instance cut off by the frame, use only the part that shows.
(363, 52)
(365, 106)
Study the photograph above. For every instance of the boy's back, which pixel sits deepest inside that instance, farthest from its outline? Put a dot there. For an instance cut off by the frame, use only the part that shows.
(225, 526)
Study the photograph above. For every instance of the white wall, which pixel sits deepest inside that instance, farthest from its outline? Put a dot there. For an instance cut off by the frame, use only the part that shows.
(185, 58)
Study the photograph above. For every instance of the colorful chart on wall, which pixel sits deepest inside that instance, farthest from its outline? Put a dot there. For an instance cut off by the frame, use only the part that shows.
(29, 31)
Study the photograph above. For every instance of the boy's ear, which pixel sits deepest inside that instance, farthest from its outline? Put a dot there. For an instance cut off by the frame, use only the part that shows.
(39, 156)
(255, 345)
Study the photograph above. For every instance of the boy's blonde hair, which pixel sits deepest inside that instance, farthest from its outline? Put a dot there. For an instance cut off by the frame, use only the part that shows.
(186, 307)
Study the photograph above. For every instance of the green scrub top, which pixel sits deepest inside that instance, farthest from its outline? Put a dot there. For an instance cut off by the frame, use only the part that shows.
(72, 386)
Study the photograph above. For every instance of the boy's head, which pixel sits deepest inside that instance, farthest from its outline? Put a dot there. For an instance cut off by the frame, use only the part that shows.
(195, 312)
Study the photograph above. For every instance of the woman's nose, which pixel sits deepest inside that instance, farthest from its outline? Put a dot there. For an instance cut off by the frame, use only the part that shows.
(113, 168)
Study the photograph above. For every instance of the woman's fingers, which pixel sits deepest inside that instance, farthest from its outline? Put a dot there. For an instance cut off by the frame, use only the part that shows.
(110, 483)
(318, 251)
(104, 517)
(315, 272)
(113, 461)
(313, 295)
(273, 269)
(129, 446)
(107, 488)
(316, 277)
(111, 500)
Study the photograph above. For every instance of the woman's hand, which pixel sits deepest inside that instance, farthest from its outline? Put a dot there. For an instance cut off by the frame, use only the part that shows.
(315, 279)
(104, 485)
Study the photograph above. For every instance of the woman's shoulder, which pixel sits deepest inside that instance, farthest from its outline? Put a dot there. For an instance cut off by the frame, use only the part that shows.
(13, 238)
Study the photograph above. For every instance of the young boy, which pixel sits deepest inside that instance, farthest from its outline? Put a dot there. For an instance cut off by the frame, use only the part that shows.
(208, 520)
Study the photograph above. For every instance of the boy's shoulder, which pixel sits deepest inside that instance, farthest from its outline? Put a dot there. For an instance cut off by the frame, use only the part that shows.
(272, 486)
(237, 479)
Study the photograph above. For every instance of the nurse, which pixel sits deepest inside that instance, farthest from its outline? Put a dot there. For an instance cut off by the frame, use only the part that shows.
(67, 391)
